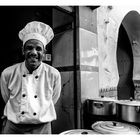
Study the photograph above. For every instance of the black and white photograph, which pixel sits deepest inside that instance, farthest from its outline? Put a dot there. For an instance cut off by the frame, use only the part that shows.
(70, 69)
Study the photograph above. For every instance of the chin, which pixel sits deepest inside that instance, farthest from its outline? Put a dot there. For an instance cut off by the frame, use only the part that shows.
(34, 65)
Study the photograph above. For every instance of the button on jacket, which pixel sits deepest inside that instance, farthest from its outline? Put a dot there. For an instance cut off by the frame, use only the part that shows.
(30, 98)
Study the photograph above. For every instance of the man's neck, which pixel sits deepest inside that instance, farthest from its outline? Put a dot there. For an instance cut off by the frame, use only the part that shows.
(30, 69)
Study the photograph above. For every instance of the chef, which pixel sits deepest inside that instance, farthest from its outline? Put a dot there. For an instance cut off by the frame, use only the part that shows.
(30, 89)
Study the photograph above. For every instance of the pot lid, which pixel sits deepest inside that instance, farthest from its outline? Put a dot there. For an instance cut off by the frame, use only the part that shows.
(79, 131)
(129, 102)
(106, 99)
(113, 127)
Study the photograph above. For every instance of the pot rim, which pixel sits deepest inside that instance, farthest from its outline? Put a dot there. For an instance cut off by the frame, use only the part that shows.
(128, 102)
(79, 131)
(103, 99)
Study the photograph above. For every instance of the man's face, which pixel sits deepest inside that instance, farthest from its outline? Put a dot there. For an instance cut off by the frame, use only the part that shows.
(33, 51)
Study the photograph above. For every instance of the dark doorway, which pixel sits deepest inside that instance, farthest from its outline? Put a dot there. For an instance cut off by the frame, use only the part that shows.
(125, 65)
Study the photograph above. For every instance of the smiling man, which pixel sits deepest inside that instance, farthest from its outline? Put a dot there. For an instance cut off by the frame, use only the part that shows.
(33, 51)
(30, 89)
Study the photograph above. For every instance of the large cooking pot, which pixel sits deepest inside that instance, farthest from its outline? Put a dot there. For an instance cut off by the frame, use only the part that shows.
(113, 127)
(101, 106)
(128, 110)
(79, 132)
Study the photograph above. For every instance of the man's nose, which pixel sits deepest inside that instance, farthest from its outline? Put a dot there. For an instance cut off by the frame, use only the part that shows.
(34, 51)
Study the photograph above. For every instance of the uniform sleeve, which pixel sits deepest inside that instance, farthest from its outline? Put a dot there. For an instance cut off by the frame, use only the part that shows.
(57, 88)
(4, 87)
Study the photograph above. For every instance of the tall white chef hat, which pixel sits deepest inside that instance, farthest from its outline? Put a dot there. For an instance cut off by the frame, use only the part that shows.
(36, 30)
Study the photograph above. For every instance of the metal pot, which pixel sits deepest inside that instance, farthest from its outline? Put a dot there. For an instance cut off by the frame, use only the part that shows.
(113, 127)
(128, 110)
(101, 106)
(79, 132)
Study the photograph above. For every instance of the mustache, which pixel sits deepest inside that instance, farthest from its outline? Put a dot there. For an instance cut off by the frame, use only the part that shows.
(33, 56)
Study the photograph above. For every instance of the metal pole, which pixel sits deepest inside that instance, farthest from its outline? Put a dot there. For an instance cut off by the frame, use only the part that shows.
(77, 89)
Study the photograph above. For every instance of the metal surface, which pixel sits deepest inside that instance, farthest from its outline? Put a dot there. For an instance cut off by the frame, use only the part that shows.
(101, 106)
(128, 111)
(129, 102)
(113, 127)
(79, 132)
(77, 91)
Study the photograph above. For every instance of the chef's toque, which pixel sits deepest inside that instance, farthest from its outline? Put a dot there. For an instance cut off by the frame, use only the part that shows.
(36, 30)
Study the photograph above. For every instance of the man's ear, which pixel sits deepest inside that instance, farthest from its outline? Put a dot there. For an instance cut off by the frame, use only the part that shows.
(45, 51)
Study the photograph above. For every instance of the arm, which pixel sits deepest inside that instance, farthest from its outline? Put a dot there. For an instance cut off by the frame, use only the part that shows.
(4, 88)
(57, 88)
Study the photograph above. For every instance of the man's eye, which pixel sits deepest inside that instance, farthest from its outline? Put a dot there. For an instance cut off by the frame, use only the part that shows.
(38, 48)
(29, 47)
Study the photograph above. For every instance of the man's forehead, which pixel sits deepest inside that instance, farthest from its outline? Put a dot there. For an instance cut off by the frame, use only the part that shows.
(34, 42)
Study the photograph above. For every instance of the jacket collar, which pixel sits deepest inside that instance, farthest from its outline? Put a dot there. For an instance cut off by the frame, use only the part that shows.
(35, 72)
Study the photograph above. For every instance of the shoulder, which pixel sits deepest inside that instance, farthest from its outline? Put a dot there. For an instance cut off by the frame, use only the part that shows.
(11, 69)
(51, 69)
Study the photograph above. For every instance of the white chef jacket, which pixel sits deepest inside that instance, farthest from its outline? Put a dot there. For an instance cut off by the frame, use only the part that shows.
(30, 98)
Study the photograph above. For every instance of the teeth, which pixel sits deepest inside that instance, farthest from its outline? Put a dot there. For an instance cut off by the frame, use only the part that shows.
(33, 57)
